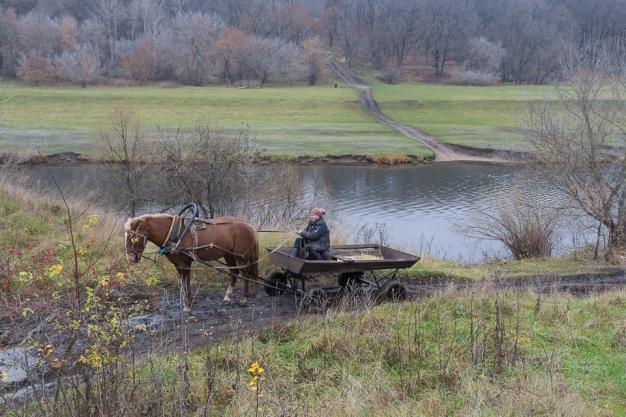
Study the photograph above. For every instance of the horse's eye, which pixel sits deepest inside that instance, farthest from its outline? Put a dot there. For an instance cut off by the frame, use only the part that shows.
(134, 239)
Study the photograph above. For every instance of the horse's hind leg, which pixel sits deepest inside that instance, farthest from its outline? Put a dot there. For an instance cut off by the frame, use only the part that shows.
(244, 268)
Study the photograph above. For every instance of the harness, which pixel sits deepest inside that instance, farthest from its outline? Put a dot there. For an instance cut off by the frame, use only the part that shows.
(171, 243)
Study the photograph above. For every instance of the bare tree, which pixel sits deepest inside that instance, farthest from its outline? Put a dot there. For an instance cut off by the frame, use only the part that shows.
(482, 65)
(38, 35)
(596, 20)
(205, 167)
(402, 27)
(347, 33)
(578, 137)
(330, 20)
(313, 58)
(273, 60)
(484, 55)
(371, 17)
(126, 147)
(9, 42)
(112, 18)
(92, 31)
(110, 13)
(35, 69)
(448, 26)
(288, 23)
(228, 47)
(139, 62)
(191, 49)
(254, 21)
(68, 32)
(81, 64)
(217, 169)
(146, 18)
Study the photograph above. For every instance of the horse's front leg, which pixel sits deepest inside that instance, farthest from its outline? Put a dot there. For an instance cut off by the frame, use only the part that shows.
(186, 288)
(229, 291)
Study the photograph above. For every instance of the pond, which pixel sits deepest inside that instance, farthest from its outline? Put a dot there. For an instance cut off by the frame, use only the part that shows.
(414, 208)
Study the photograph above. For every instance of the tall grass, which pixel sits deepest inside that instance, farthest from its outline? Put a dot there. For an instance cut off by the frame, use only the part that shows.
(455, 354)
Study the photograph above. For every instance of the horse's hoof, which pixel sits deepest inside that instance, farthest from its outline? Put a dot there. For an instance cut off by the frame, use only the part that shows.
(226, 302)
(186, 309)
(243, 304)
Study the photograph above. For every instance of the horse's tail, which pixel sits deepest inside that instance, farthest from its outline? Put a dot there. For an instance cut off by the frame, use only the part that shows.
(254, 264)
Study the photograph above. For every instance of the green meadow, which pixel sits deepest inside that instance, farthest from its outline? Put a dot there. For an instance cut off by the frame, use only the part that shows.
(477, 117)
(286, 121)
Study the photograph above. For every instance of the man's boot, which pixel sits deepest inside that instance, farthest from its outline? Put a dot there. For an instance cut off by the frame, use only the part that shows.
(294, 252)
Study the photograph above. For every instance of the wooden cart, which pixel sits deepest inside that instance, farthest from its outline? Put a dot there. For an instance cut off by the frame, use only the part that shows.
(350, 263)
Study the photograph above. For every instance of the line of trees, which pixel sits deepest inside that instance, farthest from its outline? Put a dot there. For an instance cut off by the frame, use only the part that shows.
(215, 41)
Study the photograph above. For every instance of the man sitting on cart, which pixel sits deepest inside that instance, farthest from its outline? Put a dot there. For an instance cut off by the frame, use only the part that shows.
(315, 237)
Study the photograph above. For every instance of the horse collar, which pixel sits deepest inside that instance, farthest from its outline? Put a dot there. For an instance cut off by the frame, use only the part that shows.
(173, 235)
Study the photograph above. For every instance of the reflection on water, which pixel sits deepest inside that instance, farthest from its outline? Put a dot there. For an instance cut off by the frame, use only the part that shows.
(417, 205)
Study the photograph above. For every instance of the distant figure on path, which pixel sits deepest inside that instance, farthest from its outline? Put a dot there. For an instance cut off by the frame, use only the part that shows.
(335, 84)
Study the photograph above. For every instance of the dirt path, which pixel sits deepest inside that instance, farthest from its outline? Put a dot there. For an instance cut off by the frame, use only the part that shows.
(442, 152)
(211, 321)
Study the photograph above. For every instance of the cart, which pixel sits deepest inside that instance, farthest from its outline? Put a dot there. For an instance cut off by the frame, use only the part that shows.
(350, 262)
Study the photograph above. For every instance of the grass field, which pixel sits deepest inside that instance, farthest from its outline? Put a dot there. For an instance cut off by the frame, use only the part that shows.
(477, 117)
(286, 121)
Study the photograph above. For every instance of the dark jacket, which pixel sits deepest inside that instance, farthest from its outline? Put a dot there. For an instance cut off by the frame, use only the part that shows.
(318, 234)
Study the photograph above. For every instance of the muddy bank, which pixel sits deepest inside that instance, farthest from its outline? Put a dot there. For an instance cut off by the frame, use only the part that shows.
(471, 154)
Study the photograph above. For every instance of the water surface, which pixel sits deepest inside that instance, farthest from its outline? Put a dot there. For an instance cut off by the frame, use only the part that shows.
(413, 208)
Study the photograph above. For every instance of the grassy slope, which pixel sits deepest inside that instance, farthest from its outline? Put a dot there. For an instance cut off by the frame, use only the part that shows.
(455, 354)
(478, 117)
(311, 121)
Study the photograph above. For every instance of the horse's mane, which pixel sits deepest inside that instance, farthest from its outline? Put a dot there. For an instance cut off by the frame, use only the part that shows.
(132, 221)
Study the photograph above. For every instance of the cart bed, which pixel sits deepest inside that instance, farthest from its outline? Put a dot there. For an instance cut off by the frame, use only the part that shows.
(346, 258)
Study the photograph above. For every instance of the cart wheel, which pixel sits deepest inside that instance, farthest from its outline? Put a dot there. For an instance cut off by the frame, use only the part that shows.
(275, 283)
(348, 278)
(391, 290)
(314, 301)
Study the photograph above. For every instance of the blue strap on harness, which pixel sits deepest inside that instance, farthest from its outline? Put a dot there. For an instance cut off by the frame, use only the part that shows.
(163, 251)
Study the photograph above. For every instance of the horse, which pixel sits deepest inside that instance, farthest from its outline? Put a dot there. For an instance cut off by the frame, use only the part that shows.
(230, 238)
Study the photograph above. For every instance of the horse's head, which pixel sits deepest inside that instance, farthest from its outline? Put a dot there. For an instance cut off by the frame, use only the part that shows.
(134, 241)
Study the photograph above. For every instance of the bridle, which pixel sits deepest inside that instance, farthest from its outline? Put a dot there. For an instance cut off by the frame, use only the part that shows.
(129, 237)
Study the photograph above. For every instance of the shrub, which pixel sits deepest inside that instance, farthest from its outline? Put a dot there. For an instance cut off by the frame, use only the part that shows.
(476, 78)
(390, 159)
(388, 75)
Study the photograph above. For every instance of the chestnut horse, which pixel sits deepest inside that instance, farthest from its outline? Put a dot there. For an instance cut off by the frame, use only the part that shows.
(206, 240)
